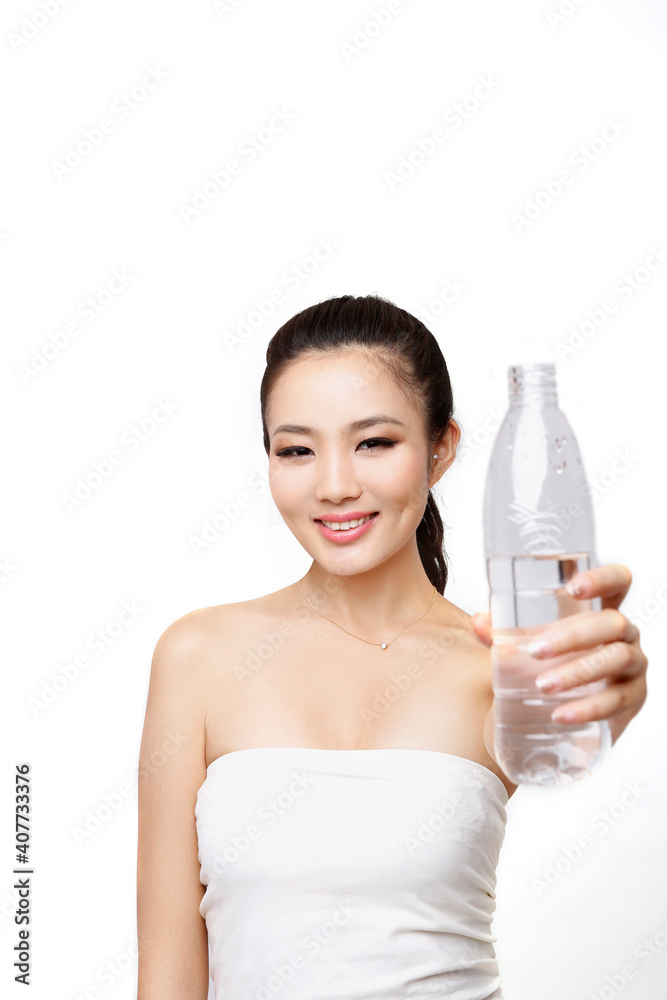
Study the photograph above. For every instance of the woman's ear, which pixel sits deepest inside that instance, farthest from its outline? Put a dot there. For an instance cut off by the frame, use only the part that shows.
(445, 449)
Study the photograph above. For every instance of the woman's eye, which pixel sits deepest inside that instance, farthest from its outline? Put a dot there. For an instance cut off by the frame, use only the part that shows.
(290, 451)
(372, 442)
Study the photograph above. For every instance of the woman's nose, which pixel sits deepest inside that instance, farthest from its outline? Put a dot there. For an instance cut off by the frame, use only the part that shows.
(335, 478)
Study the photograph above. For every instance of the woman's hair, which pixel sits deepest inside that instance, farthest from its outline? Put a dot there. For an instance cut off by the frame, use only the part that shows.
(391, 335)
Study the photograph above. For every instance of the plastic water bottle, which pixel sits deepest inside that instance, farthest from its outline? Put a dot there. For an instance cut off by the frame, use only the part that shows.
(538, 533)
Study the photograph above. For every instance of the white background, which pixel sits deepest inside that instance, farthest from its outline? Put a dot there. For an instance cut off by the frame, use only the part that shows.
(169, 335)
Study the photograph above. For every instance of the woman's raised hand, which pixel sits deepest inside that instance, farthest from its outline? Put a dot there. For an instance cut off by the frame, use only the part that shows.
(619, 658)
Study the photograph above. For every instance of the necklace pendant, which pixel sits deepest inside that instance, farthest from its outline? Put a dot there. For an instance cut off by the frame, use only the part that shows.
(383, 645)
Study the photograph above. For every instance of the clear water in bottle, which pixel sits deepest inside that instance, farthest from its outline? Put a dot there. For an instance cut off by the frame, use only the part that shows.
(539, 533)
(530, 747)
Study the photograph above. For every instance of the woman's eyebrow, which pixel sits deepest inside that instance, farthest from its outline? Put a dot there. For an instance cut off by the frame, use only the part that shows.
(356, 425)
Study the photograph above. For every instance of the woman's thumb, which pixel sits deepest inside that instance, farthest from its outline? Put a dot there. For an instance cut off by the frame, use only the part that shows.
(481, 622)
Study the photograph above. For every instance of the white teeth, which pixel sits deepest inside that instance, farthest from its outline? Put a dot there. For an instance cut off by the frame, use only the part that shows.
(344, 525)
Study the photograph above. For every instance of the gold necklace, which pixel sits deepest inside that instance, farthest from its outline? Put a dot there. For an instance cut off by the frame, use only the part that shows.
(382, 645)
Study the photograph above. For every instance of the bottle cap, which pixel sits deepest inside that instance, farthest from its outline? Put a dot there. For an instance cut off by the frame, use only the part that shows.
(521, 351)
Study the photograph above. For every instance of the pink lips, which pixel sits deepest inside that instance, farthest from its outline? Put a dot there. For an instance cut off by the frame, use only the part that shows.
(351, 515)
(341, 536)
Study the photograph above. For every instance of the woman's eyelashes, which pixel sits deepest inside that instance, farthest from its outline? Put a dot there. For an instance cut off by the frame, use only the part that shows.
(373, 442)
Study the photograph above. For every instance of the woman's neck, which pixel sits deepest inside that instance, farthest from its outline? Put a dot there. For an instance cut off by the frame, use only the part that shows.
(374, 600)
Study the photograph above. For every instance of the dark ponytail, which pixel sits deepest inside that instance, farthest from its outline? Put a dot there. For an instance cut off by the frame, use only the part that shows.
(413, 355)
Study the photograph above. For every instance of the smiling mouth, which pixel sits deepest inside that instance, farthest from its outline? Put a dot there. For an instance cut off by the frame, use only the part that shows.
(346, 525)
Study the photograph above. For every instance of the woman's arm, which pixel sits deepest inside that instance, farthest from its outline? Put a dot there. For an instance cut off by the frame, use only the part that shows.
(172, 938)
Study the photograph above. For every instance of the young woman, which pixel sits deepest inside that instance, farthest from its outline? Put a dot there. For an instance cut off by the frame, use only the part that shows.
(331, 820)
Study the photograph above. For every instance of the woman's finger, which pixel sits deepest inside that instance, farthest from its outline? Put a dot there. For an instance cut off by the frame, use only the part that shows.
(582, 631)
(481, 626)
(611, 582)
(614, 661)
(606, 704)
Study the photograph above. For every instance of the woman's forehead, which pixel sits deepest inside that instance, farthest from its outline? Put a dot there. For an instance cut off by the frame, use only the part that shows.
(354, 373)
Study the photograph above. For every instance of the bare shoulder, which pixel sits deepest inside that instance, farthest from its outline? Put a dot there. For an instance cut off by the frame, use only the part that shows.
(199, 637)
(183, 652)
(479, 652)
(183, 644)
(476, 656)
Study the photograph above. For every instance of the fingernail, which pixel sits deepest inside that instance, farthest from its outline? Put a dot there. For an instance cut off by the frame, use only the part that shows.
(563, 715)
(547, 682)
(577, 586)
(538, 648)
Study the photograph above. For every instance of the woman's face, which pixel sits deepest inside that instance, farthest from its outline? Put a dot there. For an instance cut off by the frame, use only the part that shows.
(329, 467)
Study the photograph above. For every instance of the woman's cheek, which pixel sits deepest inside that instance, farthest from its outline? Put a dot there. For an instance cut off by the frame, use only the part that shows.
(406, 483)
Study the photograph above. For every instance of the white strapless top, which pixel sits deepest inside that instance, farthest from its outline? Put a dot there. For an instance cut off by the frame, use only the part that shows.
(356, 874)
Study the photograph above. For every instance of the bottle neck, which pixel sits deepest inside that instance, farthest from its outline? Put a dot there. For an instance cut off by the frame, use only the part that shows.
(532, 383)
